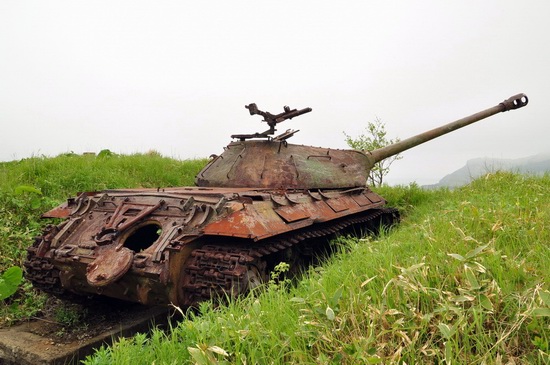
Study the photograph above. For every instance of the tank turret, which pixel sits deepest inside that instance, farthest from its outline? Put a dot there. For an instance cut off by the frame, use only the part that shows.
(275, 163)
(262, 201)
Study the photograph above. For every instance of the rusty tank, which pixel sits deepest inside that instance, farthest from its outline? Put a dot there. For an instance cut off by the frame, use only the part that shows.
(261, 202)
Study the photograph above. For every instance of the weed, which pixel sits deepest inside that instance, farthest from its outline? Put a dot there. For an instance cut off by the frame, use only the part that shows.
(69, 315)
(10, 281)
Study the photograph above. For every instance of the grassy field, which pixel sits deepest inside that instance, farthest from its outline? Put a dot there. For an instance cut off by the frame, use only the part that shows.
(463, 279)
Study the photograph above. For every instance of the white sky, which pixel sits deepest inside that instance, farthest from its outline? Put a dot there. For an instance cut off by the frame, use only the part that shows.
(174, 76)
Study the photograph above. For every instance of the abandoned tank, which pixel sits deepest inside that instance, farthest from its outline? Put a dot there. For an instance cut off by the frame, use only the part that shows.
(260, 202)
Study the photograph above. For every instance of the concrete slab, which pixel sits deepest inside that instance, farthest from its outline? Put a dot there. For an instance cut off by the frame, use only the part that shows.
(22, 345)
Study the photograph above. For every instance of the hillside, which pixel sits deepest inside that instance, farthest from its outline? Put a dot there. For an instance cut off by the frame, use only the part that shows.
(532, 165)
(463, 278)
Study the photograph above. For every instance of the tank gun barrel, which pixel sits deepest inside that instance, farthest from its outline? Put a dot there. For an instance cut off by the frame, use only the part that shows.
(514, 102)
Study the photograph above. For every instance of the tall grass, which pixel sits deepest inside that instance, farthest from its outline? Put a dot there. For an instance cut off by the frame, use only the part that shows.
(67, 174)
(463, 279)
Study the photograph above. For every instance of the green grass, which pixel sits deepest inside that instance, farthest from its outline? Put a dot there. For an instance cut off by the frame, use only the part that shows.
(463, 279)
(64, 175)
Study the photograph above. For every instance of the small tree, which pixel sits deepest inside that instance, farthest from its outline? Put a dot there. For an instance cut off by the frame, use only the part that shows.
(374, 138)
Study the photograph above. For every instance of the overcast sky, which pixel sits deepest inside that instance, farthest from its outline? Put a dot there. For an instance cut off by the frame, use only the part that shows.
(174, 76)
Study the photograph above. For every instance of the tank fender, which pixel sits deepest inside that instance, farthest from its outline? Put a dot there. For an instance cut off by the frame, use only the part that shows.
(288, 211)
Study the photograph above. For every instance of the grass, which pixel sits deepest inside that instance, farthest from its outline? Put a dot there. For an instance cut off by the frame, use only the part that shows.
(64, 175)
(463, 279)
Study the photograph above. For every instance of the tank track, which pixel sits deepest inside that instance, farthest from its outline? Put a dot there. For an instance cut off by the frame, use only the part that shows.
(41, 272)
(222, 270)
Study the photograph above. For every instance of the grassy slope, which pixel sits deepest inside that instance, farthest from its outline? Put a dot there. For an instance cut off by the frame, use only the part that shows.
(462, 279)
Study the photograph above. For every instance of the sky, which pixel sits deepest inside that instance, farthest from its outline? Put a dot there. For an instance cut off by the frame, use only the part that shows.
(174, 76)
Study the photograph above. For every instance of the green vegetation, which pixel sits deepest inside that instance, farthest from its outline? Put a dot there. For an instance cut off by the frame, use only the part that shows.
(9, 281)
(375, 137)
(463, 279)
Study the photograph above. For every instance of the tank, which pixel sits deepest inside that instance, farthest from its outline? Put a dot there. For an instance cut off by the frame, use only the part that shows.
(260, 202)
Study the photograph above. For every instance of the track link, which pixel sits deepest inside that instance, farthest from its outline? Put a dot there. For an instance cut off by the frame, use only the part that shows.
(40, 271)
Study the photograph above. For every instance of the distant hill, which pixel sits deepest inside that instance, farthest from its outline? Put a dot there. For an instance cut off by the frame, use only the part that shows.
(534, 165)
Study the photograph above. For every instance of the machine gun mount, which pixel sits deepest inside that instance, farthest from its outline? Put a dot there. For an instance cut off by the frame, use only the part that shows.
(272, 120)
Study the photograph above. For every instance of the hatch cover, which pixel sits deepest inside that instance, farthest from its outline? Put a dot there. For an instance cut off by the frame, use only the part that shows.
(109, 266)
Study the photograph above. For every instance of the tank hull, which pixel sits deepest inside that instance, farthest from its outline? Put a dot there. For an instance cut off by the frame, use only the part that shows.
(185, 245)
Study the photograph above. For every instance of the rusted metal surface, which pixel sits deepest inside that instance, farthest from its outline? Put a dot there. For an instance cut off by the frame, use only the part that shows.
(216, 270)
(257, 203)
(272, 120)
(110, 265)
(135, 244)
(270, 164)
